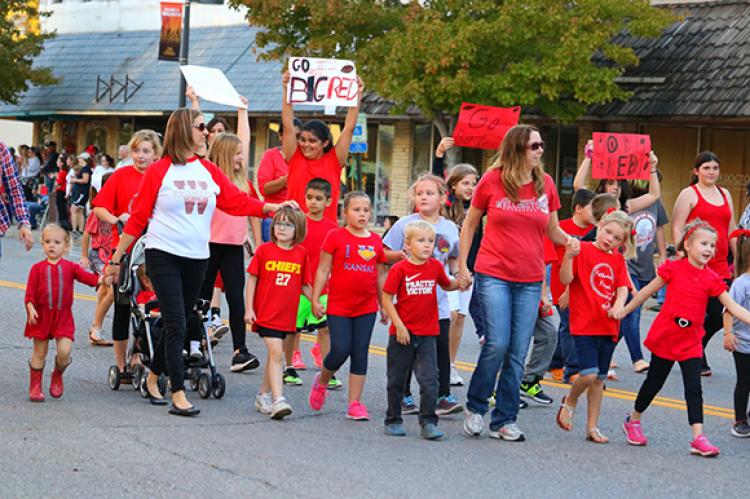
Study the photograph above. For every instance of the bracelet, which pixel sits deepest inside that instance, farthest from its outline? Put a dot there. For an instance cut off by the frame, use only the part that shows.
(112, 263)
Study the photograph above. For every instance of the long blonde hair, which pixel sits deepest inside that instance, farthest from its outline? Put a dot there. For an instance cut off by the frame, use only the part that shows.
(456, 211)
(222, 153)
(512, 160)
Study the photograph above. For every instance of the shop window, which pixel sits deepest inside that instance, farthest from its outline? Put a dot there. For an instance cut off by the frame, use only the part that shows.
(97, 135)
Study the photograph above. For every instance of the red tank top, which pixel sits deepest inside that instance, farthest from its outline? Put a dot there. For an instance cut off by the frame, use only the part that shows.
(719, 218)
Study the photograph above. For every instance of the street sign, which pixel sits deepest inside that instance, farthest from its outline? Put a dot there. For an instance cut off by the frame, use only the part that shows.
(359, 137)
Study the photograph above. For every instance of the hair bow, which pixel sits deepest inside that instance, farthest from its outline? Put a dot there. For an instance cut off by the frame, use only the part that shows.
(633, 232)
(739, 233)
(610, 210)
(702, 225)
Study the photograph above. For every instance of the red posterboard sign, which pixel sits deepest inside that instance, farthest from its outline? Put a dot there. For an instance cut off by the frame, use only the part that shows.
(621, 156)
(483, 127)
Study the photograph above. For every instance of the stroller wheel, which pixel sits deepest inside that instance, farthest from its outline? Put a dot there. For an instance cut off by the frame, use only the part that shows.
(162, 384)
(205, 386)
(137, 377)
(114, 378)
(193, 375)
(142, 384)
(220, 386)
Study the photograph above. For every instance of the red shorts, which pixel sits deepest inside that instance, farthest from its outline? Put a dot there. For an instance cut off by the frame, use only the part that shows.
(51, 325)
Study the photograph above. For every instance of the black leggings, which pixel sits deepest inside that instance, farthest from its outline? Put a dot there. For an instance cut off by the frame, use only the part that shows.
(62, 208)
(176, 282)
(742, 388)
(230, 260)
(350, 337)
(691, 378)
(121, 321)
(443, 362)
(713, 322)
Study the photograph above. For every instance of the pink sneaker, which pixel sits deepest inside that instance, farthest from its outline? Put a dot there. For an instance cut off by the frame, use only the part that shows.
(297, 361)
(317, 358)
(317, 394)
(702, 447)
(634, 432)
(357, 411)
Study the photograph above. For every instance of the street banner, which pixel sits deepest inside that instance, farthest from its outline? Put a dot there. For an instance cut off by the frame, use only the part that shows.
(322, 82)
(483, 127)
(171, 31)
(212, 85)
(621, 156)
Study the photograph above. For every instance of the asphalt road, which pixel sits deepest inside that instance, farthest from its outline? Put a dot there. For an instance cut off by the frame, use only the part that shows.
(95, 441)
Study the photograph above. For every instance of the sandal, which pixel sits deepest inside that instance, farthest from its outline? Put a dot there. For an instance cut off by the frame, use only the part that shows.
(640, 366)
(595, 435)
(567, 426)
(97, 341)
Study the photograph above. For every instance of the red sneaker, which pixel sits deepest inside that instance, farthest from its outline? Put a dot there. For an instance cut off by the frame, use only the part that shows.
(634, 432)
(318, 394)
(297, 361)
(703, 447)
(357, 411)
(35, 384)
(317, 358)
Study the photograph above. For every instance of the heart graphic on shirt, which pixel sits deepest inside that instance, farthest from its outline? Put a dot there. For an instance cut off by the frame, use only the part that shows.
(366, 251)
(602, 280)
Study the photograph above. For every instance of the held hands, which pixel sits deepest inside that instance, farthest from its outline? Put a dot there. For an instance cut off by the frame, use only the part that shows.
(383, 316)
(250, 316)
(445, 144)
(730, 342)
(85, 262)
(572, 247)
(112, 272)
(32, 314)
(317, 309)
(616, 312)
(402, 335)
(463, 277)
(546, 307)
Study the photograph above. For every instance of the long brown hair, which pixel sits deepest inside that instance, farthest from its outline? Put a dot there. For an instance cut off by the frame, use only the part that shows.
(456, 211)
(178, 137)
(742, 262)
(512, 160)
(222, 154)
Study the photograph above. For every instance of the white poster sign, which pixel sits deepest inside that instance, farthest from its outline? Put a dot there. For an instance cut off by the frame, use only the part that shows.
(211, 84)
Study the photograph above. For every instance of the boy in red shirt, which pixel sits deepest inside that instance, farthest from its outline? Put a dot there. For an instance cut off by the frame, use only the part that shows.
(576, 226)
(317, 199)
(414, 328)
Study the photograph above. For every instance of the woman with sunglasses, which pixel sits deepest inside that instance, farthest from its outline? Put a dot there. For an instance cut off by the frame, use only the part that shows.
(177, 200)
(314, 154)
(521, 204)
(272, 175)
(706, 200)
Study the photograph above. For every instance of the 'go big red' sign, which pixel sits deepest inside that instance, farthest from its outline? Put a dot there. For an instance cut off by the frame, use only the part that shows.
(326, 82)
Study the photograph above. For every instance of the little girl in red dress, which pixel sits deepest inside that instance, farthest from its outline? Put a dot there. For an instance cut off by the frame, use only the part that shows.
(49, 302)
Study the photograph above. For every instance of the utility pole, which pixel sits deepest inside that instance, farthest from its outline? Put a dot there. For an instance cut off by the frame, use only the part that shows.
(184, 46)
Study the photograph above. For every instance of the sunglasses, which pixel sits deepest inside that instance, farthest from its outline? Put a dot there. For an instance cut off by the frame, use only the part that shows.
(202, 127)
(283, 225)
(535, 146)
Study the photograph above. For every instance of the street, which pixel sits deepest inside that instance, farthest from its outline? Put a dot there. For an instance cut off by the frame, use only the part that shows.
(99, 442)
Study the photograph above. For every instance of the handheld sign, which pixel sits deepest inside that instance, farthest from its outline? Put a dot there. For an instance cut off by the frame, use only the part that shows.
(322, 82)
(483, 127)
(621, 156)
(211, 84)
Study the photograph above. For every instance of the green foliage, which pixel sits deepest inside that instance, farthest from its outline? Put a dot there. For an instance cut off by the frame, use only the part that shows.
(20, 42)
(438, 53)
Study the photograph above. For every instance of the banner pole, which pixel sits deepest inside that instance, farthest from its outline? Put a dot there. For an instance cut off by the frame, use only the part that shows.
(184, 50)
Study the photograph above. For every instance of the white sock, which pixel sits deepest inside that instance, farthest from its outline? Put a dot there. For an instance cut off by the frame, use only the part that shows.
(195, 346)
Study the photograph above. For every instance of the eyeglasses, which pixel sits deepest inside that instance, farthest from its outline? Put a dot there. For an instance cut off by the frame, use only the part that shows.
(283, 225)
(535, 146)
(201, 127)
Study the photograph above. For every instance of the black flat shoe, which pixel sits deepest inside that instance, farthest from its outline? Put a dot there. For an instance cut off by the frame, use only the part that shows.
(154, 400)
(189, 412)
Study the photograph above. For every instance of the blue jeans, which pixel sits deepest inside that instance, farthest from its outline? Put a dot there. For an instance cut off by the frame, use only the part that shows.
(630, 327)
(510, 312)
(265, 229)
(477, 314)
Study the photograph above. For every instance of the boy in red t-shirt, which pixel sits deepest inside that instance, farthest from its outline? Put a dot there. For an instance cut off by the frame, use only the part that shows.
(414, 327)
(565, 363)
(317, 199)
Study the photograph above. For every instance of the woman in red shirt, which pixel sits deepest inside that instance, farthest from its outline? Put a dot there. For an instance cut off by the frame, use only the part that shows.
(112, 206)
(704, 199)
(521, 204)
(177, 199)
(314, 155)
(60, 184)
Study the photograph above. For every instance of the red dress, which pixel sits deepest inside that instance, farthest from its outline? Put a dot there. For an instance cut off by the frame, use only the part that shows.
(677, 331)
(50, 290)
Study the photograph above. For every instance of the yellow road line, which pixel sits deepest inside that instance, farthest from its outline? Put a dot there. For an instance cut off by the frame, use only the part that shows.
(711, 410)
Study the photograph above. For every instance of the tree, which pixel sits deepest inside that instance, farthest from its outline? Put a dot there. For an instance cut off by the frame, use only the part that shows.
(553, 55)
(20, 42)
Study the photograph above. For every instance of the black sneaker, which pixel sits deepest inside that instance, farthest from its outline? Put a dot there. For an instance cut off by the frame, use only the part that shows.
(740, 429)
(522, 404)
(244, 361)
(533, 391)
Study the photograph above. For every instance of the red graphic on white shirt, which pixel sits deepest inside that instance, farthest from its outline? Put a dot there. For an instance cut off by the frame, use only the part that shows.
(195, 195)
(602, 281)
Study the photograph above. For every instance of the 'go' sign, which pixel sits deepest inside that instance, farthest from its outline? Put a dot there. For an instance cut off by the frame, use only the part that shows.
(325, 82)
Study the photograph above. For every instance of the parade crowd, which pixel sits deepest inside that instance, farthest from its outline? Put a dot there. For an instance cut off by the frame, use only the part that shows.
(545, 295)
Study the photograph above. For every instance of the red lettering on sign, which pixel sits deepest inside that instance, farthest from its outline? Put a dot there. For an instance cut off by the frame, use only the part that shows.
(621, 156)
(483, 127)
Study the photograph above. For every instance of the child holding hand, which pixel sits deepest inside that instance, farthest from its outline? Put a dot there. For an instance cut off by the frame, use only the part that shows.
(414, 327)
(49, 303)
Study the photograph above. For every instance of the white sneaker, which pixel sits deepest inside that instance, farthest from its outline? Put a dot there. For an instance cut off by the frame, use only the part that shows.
(280, 409)
(473, 423)
(510, 432)
(263, 403)
(456, 379)
(220, 329)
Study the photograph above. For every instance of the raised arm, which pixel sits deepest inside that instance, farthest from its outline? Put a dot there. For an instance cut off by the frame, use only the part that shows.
(345, 140)
(289, 141)
(582, 175)
(654, 189)
(243, 130)
(193, 98)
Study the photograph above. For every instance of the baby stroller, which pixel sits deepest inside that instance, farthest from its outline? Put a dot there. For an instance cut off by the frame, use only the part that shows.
(147, 330)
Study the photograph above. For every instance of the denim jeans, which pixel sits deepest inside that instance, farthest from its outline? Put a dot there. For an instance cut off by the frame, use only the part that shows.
(265, 229)
(630, 327)
(477, 314)
(510, 312)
